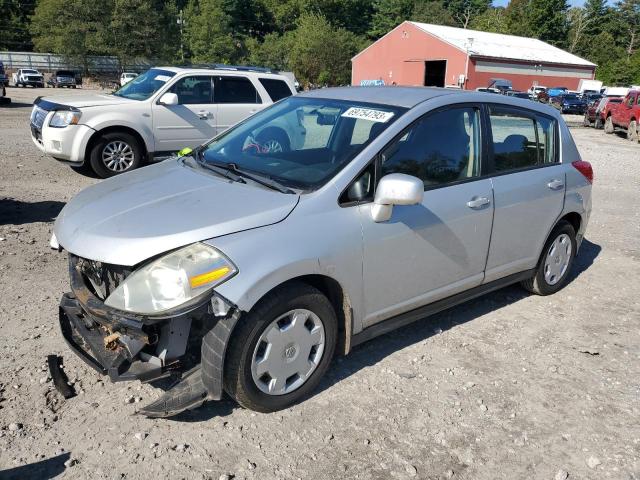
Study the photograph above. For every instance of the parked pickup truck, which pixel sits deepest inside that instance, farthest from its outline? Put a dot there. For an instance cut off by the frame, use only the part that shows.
(62, 78)
(625, 116)
(28, 76)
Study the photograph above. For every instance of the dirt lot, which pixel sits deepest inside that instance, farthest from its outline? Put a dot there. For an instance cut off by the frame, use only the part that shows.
(508, 386)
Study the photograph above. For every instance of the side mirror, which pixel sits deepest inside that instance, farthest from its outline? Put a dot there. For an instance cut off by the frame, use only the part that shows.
(168, 99)
(395, 189)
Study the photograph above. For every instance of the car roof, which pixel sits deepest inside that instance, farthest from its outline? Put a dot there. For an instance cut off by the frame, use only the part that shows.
(263, 72)
(397, 96)
(410, 97)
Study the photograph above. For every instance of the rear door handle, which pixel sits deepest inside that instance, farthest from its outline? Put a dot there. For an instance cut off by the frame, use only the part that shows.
(478, 202)
(555, 184)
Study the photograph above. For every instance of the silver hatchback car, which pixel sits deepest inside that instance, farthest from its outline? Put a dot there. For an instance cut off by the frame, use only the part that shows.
(244, 267)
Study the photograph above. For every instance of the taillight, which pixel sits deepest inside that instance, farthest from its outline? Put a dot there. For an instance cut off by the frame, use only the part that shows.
(585, 169)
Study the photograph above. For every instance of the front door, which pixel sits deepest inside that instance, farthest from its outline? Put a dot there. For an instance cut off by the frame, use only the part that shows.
(438, 248)
(528, 187)
(191, 122)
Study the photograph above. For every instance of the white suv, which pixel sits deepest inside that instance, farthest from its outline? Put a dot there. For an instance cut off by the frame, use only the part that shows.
(155, 115)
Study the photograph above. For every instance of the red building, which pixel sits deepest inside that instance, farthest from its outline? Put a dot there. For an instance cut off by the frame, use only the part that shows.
(434, 55)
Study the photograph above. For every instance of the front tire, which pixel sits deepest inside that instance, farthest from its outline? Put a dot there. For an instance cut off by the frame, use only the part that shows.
(598, 125)
(281, 349)
(115, 153)
(586, 122)
(556, 261)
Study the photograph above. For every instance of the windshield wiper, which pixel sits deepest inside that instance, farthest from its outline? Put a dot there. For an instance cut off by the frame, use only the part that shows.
(220, 169)
(256, 177)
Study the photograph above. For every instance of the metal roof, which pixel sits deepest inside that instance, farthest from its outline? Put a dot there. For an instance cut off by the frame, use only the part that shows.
(496, 45)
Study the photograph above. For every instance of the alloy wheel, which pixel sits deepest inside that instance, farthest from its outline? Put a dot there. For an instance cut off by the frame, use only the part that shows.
(118, 156)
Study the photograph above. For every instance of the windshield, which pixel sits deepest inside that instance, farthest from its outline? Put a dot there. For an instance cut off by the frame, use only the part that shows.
(145, 85)
(29, 71)
(64, 73)
(300, 142)
(570, 97)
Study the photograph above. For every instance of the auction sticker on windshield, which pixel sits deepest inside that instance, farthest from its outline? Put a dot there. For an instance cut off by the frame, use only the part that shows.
(162, 78)
(368, 114)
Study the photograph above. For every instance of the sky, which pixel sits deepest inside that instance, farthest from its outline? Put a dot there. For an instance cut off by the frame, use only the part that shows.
(503, 3)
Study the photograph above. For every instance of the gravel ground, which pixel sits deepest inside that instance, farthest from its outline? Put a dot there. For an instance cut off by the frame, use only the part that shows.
(508, 386)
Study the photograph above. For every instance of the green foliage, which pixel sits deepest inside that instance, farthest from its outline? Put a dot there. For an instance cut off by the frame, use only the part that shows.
(209, 35)
(492, 20)
(321, 53)
(432, 11)
(14, 25)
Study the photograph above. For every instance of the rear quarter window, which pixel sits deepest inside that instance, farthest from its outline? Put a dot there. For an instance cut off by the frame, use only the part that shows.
(277, 89)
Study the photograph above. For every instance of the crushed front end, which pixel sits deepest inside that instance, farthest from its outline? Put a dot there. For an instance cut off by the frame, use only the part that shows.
(128, 346)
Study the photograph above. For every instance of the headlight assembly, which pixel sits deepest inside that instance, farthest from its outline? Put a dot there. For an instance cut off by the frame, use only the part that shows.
(172, 280)
(63, 118)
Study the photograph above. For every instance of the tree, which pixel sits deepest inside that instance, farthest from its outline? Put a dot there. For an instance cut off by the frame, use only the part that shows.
(320, 53)
(579, 22)
(14, 25)
(548, 20)
(464, 11)
(208, 34)
(387, 15)
(73, 28)
(144, 29)
(492, 20)
(630, 11)
(272, 52)
(432, 11)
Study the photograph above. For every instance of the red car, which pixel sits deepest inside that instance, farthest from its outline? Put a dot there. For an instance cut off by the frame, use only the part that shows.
(625, 116)
(598, 111)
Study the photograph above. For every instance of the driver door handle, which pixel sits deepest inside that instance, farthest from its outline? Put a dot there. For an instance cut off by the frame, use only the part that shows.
(204, 115)
(555, 184)
(478, 202)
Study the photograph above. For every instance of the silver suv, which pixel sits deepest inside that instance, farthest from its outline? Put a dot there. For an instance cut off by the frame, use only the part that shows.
(243, 268)
(153, 116)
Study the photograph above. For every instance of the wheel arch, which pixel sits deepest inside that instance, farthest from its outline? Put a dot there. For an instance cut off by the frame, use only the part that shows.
(338, 298)
(120, 129)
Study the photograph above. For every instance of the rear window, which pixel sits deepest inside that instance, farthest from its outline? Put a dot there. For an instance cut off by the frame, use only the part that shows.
(521, 140)
(227, 89)
(277, 89)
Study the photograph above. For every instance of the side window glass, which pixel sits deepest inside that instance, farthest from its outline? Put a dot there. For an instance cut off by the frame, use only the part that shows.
(234, 90)
(361, 189)
(277, 89)
(514, 141)
(442, 147)
(193, 90)
(546, 139)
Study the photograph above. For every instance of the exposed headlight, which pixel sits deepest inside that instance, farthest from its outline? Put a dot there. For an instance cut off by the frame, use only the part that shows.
(172, 280)
(63, 118)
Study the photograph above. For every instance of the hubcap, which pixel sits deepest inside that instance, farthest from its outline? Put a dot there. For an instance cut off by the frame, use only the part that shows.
(288, 352)
(117, 156)
(557, 260)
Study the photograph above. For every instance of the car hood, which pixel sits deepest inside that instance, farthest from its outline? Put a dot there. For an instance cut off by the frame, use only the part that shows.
(135, 216)
(84, 101)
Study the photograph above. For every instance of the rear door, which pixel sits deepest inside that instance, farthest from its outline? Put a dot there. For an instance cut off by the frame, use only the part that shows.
(192, 121)
(528, 187)
(236, 98)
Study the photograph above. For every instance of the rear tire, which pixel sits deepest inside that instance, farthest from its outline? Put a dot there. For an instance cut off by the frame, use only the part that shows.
(598, 124)
(259, 334)
(586, 122)
(115, 153)
(555, 261)
(608, 125)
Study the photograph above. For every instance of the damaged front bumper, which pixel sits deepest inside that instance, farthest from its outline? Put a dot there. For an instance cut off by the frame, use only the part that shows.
(130, 347)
